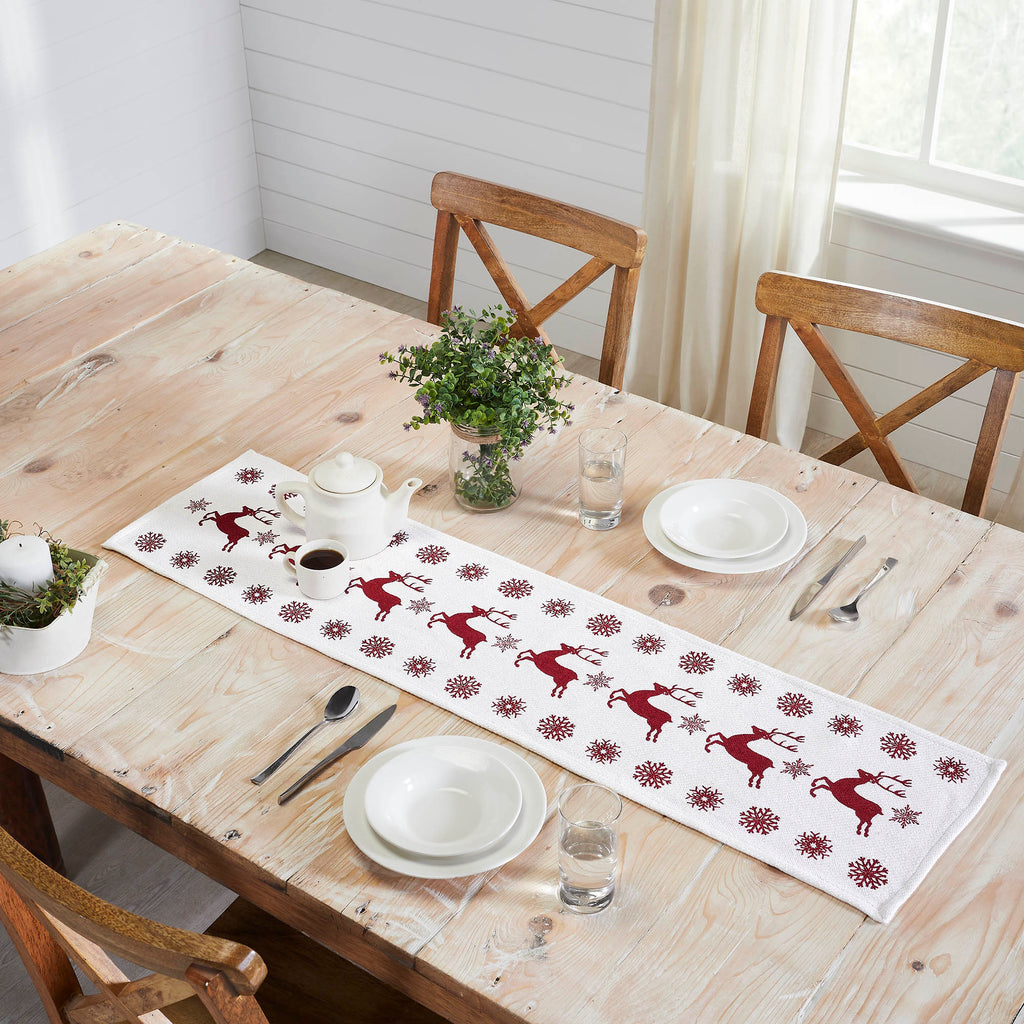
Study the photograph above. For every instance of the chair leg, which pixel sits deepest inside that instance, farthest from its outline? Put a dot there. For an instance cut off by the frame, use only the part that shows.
(25, 814)
(762, 396)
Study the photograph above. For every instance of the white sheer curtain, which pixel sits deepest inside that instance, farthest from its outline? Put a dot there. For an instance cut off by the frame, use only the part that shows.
(746, 119)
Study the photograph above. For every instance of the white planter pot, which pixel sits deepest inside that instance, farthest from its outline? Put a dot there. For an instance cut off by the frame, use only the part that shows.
(25, 651)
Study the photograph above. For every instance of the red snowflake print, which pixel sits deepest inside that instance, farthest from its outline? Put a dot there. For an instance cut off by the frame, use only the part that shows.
(249, 475)
(598, 680)
(557, 607)
(267, 537)
(421, 604)
(760, 820)
(432, 554)
(509, 706)
(295, 611)
(648, 643)
(555, 727)
(150, 541)
(705, 798)
(604, 751)
(654, 774)
(693, 723)
(257, 594)
(515, 588)
(846, 725)
(868, 873)
(796, 768)
(399, 538)
(604, 625)
(184, 559)
(744, 685)
(697, 662)
(507, 643)
(472, 571)
(898, 744)
(951, 769)
(377, 646)
(335, 629)
(197, 505)
(796, 705)
(904, 816)
(810, 844)
(220, 576)
(462, 687)
(419, 666)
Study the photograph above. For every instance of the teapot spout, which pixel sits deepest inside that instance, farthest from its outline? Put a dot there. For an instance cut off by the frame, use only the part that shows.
(397, 502)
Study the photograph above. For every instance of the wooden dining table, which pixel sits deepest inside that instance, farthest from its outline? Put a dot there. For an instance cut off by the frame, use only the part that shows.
(135, 363)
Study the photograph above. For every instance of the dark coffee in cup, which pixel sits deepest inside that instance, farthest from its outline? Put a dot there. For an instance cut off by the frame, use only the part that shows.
(322, 558)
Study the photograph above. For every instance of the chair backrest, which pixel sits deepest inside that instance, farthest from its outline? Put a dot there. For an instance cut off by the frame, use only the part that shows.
(55, 923)
(469, 204)
(985, 343)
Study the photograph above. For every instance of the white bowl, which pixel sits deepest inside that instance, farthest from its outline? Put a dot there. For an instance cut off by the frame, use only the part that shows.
(444, 801)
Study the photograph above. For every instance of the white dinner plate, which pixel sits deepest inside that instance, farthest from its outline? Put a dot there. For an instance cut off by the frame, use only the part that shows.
(443, 800)
(790, 545)
(518, 838)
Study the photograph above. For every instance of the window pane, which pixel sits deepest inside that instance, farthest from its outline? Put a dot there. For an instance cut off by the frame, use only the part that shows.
(981, 124)
(889, 70)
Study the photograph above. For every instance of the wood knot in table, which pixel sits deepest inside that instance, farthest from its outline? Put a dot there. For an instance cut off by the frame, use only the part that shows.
(40, 465)
(232, 833)
(664, 594)
(1007, 609)
(348, 417)
(427, 489)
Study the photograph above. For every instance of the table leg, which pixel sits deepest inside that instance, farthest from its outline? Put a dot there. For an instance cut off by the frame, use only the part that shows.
(25, 813)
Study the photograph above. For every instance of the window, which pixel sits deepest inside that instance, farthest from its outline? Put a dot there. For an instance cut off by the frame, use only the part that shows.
(936, 96)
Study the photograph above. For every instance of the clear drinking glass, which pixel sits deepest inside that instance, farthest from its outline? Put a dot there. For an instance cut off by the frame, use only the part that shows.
(602, 466)
(588, 847)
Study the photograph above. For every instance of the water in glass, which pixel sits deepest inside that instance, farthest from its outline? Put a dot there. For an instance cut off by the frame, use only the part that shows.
(587, 861)
(600, 495)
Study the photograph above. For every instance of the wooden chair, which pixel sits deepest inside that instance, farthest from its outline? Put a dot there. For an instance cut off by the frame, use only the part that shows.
(984, 342)
(195, 978)
(469, 203)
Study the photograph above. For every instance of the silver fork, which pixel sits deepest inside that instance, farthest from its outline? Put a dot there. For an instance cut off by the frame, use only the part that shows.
(848, 612)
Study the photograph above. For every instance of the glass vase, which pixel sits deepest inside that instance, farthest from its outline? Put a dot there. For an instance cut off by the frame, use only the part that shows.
(484, 478)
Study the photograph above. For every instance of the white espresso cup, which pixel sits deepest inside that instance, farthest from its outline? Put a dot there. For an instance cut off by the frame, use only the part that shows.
(321, 567)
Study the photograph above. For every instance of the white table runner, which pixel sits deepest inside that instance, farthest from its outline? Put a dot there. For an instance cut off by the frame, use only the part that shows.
(849, 799)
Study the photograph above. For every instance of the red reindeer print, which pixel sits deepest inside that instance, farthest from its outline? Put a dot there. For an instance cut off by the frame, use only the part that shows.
(738, 746)
(385, 601)
(283, 549)
(845, 791)
(227, 523)
(639, 702)
(458, 624)
(548, 663)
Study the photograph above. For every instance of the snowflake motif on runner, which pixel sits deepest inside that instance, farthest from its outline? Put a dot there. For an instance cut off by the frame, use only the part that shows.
(517, 589)
(198, 505)
(421, 604)
(813, 845)
(951, 769)
(744, 685)
(472, 571)
(506, 643)
(705, 798)
(868, 873)
(846, 725)
(557, 607)
(904, 816)
(377, 647)
(648, 643)
(796, 768)
(185, 559)
(150, 542)
(759, 820)
(604, 751)
(598, 680)
(267, 537)
(295, 611)
(899, 745)
(555, 727)
(697, 663)
(257, 594)
(462, 687)
(796, 705)
(399, 538)
(432, 554)
(220, 576)
(249, 475)
(509, 706)
(335, 629)
(693, 723)
(653, 774)
(603, 624)
(419, 666)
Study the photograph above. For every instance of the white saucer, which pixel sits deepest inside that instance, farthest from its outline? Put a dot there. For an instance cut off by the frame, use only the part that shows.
(790, 545)
(518, 838)
(444, 800)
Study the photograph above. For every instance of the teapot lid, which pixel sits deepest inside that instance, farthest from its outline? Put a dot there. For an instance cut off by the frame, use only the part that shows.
(345, 474)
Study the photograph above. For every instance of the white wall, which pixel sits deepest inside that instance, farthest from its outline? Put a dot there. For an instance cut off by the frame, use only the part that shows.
(356, 104)
(125, 109)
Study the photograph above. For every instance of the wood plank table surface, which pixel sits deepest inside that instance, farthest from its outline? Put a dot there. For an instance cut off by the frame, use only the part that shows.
(134, 364)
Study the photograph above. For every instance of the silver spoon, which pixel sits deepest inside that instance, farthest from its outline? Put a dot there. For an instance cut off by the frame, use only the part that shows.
(848, 612)
(342, 703)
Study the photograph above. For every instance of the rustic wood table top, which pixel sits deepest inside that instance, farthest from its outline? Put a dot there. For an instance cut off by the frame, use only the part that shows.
(135, 363)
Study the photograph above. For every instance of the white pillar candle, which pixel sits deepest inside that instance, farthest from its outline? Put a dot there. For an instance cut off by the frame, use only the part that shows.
(25, 563)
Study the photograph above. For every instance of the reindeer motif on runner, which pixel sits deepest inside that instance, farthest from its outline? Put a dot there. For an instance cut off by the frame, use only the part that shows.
(639, 702)
(845, 791)
(458, 624)
(738, 746)
(385, 601)
(227, 523)
(548, 663)
(283, 549)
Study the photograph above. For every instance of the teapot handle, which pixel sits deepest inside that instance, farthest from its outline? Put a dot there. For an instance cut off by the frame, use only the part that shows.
(299, 487)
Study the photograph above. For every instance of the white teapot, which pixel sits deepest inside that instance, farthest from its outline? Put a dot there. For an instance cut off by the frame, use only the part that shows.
(347, 501)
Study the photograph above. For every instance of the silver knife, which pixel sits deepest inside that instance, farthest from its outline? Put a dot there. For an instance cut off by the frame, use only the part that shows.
(354, 742)
(815, 588)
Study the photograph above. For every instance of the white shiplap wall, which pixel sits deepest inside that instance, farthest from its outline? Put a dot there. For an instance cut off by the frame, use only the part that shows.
(356, 104)
(125, 109)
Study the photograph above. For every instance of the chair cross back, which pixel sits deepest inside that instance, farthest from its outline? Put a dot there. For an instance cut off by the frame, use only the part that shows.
(468, 204)
(985, 343)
